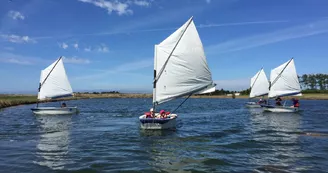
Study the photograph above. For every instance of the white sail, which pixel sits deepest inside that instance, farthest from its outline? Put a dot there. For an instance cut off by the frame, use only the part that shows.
(54, 82)
(186, 70)
(259, 84)
(284, 80)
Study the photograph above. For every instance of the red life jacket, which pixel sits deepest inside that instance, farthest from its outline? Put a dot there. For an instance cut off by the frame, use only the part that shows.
(297, 104)
(148, 115)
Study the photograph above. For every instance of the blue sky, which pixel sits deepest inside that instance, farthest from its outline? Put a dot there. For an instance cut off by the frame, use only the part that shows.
(109, 45)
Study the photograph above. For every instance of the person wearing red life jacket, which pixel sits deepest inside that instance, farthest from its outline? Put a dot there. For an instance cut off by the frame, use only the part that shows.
(296, 103)
(162, 114)
(150, 114)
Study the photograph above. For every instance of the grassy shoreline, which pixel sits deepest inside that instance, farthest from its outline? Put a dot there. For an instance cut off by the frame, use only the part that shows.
(8, 100)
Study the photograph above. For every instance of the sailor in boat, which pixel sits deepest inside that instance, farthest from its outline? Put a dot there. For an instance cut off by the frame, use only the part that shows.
(260, 101)
(278, 101)
(150, 114)
(296, 103)
(63, 105)
(163, 114)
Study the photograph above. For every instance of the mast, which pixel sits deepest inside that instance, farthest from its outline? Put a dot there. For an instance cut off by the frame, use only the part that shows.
(156, 77)
(154, 82)
(40, 84)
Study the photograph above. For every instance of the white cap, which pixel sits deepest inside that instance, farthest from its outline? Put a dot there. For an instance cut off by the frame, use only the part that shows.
(151, 110)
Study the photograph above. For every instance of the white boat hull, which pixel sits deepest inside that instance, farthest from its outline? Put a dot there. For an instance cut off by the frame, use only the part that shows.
(158, 123)
(54, 110)
(282, 109)
(252, 105)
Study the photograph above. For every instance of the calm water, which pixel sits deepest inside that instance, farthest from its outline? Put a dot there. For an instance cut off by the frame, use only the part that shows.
(213, 135)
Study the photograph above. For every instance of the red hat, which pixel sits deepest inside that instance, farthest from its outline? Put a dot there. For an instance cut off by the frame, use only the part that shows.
(162, 111)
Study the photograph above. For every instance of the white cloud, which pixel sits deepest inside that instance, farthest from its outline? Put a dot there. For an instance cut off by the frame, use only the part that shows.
(87, 49)
(16, 15)
(149, 21)
(116, 6)
(76, 46)
(15, 59)
(233, 84)
(18, 39)
(315, 28)
(141, 3)
(103, 48)
(75, 60)
(123, 68)
(9, 48)
(63, 45)
(240, 23)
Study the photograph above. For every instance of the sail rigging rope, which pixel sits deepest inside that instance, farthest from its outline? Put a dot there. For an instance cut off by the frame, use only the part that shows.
(182, 103)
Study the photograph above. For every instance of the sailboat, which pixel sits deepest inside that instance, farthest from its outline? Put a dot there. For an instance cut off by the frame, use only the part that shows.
(283, 82)
(180, 69)
(54, 84)
(259, 88)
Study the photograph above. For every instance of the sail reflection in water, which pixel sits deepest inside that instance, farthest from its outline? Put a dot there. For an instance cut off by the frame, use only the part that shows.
(163, 148)
(52, 149)
(281, 130)
(170, 152)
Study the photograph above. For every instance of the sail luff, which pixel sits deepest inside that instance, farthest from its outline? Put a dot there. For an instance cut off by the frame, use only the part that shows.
(167, 60)
(154, 82)
(252, 84)
(284, 80)
(257, 76)
(49, 73)
(54, 82)
(259, 84)
(187, 70)
(275, 80)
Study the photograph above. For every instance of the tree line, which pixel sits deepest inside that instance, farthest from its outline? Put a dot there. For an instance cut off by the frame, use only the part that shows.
(314, 83)
(104, 92)
(310, 83)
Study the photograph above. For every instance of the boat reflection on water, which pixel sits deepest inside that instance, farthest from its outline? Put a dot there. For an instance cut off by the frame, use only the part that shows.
(52, 148)
(163, 148)
(277, 135)
(168, 151)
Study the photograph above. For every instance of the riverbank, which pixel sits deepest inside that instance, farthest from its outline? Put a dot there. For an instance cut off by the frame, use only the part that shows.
(8, 100)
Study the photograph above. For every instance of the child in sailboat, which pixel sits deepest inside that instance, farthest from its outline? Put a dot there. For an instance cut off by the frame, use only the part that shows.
(296, 103)
(162, 114)
(63, 105)
(278, 101)
(150, 114)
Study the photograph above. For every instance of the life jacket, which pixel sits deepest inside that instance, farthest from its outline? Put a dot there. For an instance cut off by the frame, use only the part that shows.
(296, 104)
(148, 115)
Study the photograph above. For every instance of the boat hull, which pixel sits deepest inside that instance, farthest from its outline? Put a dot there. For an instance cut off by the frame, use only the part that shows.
(252, 105)
(54, 110)
(158, 123)
(281, 109)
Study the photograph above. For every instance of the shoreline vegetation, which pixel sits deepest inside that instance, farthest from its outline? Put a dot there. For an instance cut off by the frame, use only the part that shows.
(8, 100)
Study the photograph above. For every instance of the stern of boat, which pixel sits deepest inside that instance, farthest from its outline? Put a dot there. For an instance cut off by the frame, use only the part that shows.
(158, 123)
